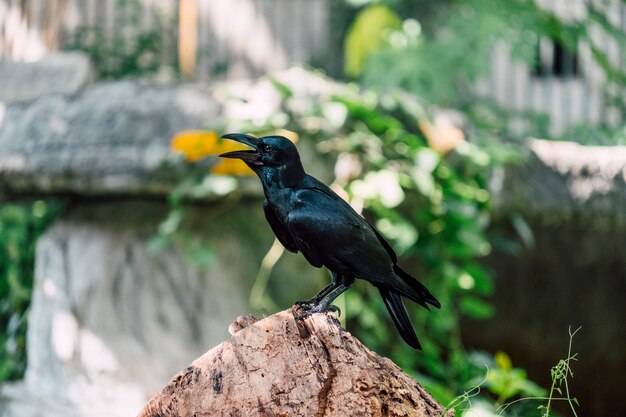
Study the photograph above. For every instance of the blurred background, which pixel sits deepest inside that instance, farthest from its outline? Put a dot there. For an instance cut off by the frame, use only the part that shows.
(485, 140)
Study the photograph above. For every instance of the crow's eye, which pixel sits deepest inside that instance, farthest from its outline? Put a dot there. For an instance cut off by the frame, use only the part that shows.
(266, 147)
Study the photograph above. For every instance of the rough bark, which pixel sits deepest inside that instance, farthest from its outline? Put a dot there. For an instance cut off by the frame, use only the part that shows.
(280, 366)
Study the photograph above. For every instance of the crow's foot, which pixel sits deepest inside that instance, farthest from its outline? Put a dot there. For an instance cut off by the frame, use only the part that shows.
(317, 309)
(305, 304)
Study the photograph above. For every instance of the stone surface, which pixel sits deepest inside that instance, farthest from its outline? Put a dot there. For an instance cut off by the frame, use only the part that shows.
(280, 366)
(60, 73)
(111, 321)
(562, 181)
(111, 139)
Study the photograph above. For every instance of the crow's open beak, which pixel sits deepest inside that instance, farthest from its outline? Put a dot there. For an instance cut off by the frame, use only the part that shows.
(245, 155)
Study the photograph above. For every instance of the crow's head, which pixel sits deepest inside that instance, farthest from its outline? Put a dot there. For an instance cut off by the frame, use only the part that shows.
(273, 158)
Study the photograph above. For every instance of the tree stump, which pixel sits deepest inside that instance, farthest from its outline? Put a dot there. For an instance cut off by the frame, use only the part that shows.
(279, 366)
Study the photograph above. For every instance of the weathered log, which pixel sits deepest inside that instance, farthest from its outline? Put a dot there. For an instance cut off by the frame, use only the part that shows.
(279, 366)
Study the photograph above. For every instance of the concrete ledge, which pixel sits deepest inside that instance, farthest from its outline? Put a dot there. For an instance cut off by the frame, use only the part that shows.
(113, 138)
(61, 73)
(560, 181)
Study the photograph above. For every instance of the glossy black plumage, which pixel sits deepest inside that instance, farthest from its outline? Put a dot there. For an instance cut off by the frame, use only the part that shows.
(308, 217)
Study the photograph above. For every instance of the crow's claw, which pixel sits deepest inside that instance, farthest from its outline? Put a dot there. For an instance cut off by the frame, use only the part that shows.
(305, 303)
(318, 309)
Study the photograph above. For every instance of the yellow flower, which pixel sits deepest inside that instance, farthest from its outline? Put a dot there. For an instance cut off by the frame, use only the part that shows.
(194, 144)
(231, 167)
(292, 136)
(198, 144)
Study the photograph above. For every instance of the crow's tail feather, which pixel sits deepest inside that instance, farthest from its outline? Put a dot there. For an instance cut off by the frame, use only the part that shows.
(398, 313)
(419, 293)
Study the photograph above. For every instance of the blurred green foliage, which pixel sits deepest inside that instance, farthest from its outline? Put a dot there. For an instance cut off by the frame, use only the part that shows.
(442, 49)
(21, 223)
(130, 51)
(596, 135)
(366, 35)
(443, 219)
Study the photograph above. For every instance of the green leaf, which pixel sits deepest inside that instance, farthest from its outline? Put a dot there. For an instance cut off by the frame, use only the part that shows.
(523, 230)
(402, 233)
(365, 36)
(503, 361)
(377, 121)
(282, 88)
(483, 283)
(201, 255)
(476, 308)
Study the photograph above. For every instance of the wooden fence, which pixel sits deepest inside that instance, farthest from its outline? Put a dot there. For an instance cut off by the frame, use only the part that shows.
(569, 87)
(228, 39)
(234, 38)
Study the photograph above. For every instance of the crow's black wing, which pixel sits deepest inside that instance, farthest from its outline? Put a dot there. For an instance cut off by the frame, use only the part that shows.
(316, 184)
(333, 234)
(402, 282)
(279, 229)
